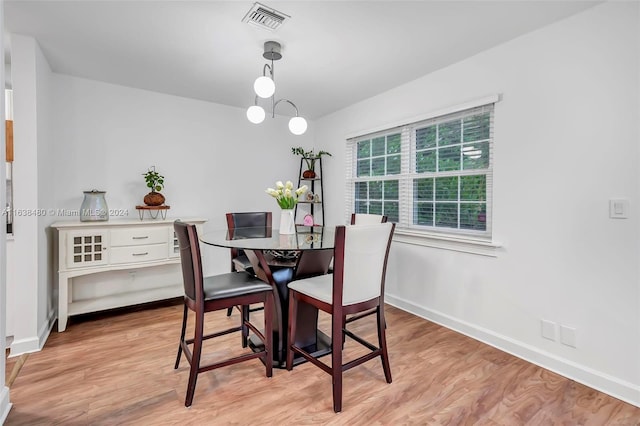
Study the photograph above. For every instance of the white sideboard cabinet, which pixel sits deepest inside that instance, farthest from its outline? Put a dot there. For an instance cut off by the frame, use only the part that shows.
(85, 248)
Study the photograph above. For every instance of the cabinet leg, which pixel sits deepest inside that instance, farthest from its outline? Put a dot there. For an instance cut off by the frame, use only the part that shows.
(63, 302)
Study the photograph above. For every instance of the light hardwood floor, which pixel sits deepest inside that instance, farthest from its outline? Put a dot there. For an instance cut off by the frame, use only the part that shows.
(117, 369)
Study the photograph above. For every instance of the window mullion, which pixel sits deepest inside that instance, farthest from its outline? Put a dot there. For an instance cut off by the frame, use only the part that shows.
(350, 174)
(405, 185)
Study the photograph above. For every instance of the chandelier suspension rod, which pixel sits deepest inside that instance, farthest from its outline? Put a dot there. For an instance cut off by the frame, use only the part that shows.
(273, 112)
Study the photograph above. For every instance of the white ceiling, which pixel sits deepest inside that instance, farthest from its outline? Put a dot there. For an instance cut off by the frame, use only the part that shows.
(335, 53)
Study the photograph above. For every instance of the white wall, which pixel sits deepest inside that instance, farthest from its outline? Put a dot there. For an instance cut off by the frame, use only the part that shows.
(45, 191)
(24, 249)
(566, 141)
(213, 159)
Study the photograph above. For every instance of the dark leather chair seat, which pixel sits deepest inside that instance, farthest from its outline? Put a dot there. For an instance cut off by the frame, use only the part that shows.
(232, 284)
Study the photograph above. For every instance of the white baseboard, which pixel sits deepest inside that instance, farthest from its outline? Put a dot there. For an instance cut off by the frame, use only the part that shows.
(600, 381)
(45, 330)
(5, 404)
(23, 346)
(34, 343)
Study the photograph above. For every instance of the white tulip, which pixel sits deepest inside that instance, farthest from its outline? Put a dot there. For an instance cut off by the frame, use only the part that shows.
(279, 184)
(302, 190)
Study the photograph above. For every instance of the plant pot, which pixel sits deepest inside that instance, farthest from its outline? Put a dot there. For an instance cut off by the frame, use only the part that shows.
(308, 174)
(154, 199)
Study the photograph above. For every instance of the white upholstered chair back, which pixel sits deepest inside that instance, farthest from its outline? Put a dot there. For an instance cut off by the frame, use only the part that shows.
(365, 256)
(367, 219)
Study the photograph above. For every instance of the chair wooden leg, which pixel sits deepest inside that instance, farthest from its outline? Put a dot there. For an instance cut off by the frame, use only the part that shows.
(182, 333)
(382, 342)
(245, 330)
(336, 361)
(291, 338)
(344, 326)
(195, 358)
(268, 334)
(229, 311)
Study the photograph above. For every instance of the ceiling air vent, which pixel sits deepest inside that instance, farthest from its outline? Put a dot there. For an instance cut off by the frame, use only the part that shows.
(265, 17)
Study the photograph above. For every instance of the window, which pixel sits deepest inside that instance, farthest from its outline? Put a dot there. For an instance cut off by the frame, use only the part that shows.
(433, 175)
(377, 169)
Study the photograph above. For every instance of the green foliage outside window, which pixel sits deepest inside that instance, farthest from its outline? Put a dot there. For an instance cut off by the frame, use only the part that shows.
(379, 156)
(452, 201)
(378, 197)
(441, 201)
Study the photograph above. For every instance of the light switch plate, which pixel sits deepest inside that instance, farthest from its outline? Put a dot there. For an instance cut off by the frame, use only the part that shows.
(618, 208)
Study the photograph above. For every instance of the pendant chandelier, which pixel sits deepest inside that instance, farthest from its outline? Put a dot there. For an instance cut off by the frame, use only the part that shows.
(265, 88)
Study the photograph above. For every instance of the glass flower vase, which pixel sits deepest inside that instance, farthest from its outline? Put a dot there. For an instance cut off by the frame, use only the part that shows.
(287, 224)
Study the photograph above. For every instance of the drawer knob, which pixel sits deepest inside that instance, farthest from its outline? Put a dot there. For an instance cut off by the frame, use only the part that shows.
(141, 254)
(140, 238)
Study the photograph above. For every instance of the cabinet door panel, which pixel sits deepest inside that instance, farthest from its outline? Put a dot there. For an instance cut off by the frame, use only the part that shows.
(86, 248)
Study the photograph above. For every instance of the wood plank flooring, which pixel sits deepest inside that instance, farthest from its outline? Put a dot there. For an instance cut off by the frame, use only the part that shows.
(117, 369)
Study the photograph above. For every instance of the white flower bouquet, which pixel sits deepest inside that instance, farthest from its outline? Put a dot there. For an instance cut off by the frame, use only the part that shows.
(284, 194)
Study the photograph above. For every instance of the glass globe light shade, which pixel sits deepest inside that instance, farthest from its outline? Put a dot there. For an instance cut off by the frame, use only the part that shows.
(255, 114)
(298, 125)
(264, 87)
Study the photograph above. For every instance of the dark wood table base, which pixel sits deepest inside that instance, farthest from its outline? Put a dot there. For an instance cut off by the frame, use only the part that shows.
(321, 347)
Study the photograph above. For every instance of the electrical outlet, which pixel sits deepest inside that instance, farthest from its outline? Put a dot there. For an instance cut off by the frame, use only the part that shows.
(548, 329)
(568, 336)
(618, 208)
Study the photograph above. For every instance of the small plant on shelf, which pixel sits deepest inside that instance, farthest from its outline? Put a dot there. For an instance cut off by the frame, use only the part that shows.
(310, 158)
(155, 182)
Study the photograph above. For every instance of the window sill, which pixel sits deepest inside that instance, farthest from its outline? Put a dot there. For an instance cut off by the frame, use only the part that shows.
(464, 245)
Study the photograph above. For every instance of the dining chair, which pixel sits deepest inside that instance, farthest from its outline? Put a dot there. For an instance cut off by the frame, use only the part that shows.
(364, 219)
(356, 285)
(258, 223)
(207, 294)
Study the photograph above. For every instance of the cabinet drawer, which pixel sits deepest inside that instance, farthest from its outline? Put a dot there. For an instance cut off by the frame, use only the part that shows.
(139, 236)
(142, 253)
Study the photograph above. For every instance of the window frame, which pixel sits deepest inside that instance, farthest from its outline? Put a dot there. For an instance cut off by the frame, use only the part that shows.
(459, 239)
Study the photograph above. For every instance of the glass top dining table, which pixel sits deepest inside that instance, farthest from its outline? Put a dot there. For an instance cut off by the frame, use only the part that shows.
(270, 255)
(261, 238)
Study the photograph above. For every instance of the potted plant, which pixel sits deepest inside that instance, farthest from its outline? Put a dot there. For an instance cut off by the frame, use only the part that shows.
(310, 158)
(154, 181)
